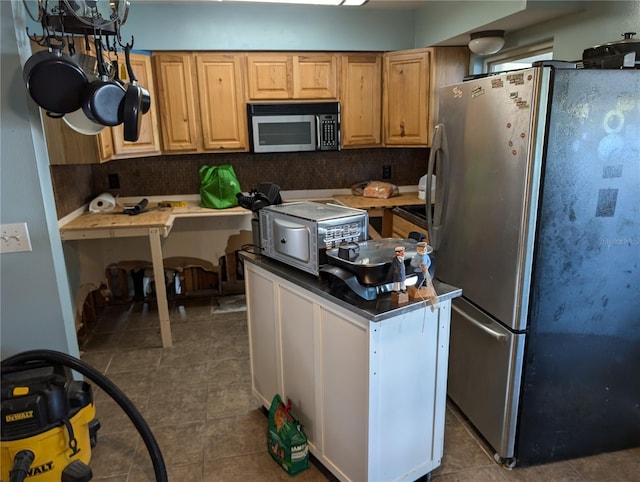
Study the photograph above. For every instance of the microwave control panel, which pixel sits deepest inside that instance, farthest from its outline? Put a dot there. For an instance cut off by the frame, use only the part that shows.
(333, 235)
(329, 132)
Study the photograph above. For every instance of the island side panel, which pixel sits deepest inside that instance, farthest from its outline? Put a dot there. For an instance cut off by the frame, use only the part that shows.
(264, 352)
(408, 387)
(345, 394)
(298, 357)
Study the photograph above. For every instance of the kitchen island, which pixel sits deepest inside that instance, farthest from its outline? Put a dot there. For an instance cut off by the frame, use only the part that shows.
(366, 378)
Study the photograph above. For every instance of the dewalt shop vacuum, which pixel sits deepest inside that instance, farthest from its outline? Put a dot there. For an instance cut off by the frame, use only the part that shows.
(48, 419)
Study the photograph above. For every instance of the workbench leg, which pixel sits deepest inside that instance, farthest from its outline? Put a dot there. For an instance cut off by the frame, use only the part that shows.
(387, 223)
(161, 289)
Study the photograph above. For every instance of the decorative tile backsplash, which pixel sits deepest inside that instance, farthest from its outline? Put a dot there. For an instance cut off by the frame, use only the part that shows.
(76, 185)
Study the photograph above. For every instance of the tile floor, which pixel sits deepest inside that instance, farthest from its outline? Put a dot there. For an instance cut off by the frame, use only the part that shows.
(196, 397)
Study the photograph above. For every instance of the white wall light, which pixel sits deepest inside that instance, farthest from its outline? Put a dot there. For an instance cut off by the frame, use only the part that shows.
(487, 42)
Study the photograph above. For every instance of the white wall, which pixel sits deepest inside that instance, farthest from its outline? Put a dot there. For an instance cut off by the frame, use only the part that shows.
(35, 305)
(214, 26)
(603, 22)
(442, 20)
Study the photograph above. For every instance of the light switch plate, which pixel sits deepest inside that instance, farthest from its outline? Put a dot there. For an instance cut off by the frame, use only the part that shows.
(14, 238)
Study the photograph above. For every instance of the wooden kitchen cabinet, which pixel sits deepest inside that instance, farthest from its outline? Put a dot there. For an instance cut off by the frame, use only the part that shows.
(406, 88)
(177, 101)
(222, 104)
(270, 76)
(289, 76)
(201, 102)
(411, 83)
(361, 99)
(315, 76)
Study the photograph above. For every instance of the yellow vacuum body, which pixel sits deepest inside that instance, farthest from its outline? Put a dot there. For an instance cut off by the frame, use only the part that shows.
(48, 426)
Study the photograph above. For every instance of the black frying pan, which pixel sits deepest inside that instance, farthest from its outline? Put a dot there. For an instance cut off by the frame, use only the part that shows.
(54, 81)
(132, 111)
(103, 99)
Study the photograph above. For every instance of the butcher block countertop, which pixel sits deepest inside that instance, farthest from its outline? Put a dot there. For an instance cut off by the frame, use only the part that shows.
(361, 202)
(86, 225)
(155, 217)
(115, 224)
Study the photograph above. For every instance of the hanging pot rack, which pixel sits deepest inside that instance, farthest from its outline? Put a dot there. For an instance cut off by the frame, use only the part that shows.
(58, 84)
(77, 17)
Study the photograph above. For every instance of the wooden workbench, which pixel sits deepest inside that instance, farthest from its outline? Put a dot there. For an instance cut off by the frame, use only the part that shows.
(156, 223)
(380, 207)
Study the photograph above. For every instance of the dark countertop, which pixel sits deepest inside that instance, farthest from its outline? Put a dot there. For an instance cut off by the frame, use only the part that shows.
(336, 292)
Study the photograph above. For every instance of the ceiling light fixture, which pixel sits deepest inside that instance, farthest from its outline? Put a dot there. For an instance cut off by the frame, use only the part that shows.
(335, 3)
(487, 42)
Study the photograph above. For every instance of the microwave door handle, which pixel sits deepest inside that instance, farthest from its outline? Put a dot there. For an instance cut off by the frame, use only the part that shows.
(318, 139)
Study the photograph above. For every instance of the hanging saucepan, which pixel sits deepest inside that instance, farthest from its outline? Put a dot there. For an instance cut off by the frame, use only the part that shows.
(103, 98)
(86, 61)
(133, 99)
(54, 81)
(77, 120)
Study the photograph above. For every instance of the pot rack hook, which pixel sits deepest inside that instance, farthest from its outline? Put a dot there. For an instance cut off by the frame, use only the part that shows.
(127, 45)
(39, 39)
(48, 33)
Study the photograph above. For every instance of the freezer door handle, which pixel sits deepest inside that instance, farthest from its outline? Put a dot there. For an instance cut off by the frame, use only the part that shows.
(438, 164)
(494, 334)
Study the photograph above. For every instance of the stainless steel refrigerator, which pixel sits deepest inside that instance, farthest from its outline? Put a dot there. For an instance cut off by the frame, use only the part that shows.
(537, 219)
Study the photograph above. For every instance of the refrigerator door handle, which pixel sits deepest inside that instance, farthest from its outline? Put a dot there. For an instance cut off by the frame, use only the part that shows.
(484, 328)
(438, 164)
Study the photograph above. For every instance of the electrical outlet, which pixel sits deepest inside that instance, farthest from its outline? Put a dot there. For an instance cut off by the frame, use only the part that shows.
(114, 181)
(14, 238)
(386, 171)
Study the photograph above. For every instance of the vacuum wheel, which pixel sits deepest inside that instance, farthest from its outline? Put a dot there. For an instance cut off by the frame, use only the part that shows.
(94, 426)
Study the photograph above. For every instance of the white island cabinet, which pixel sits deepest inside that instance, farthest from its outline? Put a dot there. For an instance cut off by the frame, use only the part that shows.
(367, 379)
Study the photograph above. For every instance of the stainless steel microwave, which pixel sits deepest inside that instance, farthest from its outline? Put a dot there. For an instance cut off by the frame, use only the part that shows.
(294, 127)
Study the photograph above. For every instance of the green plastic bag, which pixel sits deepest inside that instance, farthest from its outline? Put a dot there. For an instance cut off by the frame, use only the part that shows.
(218, 187)
(287, 442)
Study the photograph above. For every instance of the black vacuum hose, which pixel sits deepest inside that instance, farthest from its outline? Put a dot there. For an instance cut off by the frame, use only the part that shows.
(21, 464)
(51, 356)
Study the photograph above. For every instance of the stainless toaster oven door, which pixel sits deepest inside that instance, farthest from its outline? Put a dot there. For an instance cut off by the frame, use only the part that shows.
(292, 240)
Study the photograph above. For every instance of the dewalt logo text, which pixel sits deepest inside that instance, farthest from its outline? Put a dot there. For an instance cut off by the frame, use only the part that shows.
(16, 417)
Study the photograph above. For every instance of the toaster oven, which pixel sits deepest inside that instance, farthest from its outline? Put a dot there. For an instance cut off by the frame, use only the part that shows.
(299, 233)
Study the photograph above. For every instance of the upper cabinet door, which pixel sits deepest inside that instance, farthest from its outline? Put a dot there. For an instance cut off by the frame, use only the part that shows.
(222, 103)
(176, 101)
(289, 76)
(148, 142)
(360, 99)
(270, 76)
(314, 76)
(405, 100)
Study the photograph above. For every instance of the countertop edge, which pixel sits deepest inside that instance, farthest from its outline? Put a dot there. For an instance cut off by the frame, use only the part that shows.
(287, 196)
(372, 311)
